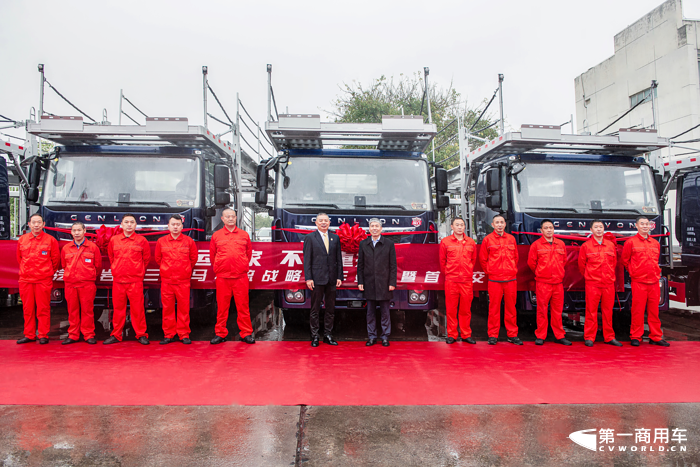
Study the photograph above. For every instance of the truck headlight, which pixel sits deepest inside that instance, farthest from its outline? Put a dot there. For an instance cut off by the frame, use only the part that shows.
(294, 296)
(417, 297)
(661, 292)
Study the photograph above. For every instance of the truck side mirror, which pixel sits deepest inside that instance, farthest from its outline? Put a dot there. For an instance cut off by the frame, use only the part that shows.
(34, 178)
(493, 181)
(261, 197)
(222, 177)
(261, 177)
(493, 201)
(659, 182)
(442, 201)
(222, 198)
(440, 180)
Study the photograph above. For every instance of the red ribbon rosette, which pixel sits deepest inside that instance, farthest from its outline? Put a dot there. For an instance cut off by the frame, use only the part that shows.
(350, 237)
(104, 234)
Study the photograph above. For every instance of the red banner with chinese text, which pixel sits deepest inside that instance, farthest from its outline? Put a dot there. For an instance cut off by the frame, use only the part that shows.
(279, 265)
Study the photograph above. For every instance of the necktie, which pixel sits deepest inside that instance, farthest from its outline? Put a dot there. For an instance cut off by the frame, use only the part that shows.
(325, 241)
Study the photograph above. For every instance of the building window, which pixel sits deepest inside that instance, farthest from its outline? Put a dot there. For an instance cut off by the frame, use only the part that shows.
(640, 96)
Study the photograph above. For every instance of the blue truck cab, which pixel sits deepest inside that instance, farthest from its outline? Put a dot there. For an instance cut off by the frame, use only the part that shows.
(572, 180)
(392, 183)
(96, 174)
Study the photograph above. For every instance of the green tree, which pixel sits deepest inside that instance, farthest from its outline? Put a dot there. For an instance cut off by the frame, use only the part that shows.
(367, 104)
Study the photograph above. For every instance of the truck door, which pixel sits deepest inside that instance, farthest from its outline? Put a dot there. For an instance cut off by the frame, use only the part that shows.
(690, 214)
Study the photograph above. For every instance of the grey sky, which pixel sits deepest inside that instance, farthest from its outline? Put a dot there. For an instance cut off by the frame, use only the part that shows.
(154, 50)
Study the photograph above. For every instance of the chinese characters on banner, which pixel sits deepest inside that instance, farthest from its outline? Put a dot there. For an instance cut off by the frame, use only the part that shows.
(277, 265)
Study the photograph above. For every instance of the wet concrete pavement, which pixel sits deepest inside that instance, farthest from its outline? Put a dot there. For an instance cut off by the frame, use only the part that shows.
(342, 436)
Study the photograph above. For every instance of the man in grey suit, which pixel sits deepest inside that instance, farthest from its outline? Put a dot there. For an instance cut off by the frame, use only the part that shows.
(323, 271)
(376, 278)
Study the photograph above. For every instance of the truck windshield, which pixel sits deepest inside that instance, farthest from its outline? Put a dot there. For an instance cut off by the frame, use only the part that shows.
(584, 188)
(357, 183)
(111, 180)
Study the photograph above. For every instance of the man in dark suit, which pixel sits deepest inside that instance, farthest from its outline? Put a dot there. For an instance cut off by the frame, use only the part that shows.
(376, 277)
(323, 271)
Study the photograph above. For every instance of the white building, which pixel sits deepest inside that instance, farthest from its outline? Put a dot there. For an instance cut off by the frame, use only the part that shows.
(661, 46)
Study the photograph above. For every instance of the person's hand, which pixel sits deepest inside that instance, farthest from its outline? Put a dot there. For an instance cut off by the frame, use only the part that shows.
(391, 288)
(310, 285)
(361, 287)
(338, 282)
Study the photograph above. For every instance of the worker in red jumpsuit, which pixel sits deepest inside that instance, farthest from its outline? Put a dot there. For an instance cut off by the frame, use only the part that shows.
(457, 258)
(129, 254)
(597, 259)
(230, 251)
(640, 256)
(547, 259)
(39, 258)
(176, 254)
(499, 258)
(82, 262)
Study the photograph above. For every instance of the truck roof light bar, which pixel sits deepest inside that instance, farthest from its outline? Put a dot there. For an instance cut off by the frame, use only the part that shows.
(395, 133)
(158, 132)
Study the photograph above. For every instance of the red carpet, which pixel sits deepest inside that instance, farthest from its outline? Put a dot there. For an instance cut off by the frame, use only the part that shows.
(292, 373)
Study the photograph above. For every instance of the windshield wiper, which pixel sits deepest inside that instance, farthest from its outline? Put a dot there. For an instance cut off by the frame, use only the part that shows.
(390, 206)
(322, 205)
(158, 203)
(95, 203)
(552, 209)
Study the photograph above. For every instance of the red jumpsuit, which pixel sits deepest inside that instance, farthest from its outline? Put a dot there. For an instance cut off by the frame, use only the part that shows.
(641, 258)
(457, 258)
(597, 262)
(548, 262)
(129, 257)
(230, 252)
(176, 258)
(38, 258)
(499, 258)
(81, 265)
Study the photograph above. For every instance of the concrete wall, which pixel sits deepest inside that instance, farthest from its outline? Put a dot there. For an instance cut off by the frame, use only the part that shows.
(660, 46)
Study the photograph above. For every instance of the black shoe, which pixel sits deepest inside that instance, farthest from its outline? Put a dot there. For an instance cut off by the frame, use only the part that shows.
(469, 340)
(24, 340)
(450, 340)
(314, 341)
(44, 340)
(91, 341)
(515, 340)
(186, 340)
(111, 340)
(68, 340)
(144, 340)
(249, 339)
(217, 340)
(371, 342)
(328, 339)
(635, 343)
(493, 341)
(661, 343)
(539, 341)
(614, 342)
(167, 340)
(589, 343)
(385, 342)
(564, 341)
